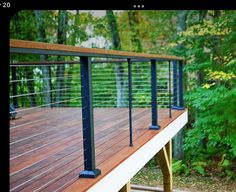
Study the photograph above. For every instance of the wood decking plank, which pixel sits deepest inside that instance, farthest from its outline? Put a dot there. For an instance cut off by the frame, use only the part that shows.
(84, 184)
(99, 130)
(121, 134)
(28, 130)
(55, 165)
(106, 154)
(53, 156)
(46, 149)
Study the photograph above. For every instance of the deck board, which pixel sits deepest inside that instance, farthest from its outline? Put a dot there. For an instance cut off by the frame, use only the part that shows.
(47, 155)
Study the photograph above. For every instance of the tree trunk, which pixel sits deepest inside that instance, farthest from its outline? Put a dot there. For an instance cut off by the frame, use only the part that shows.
(61, 39)
(178, 152)
(28, 73)
(76, 31)
(200, 73)
(216, 41)
(133, 18)
(119, 68)
(135, 34)
(46, 69)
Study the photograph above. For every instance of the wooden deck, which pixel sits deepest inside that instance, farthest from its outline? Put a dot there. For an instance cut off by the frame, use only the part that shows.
(46, 150)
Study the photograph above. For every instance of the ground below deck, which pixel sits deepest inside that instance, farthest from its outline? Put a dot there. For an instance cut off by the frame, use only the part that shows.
(46, 148)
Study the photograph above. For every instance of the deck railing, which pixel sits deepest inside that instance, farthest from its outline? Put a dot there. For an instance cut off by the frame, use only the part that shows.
(145, 80)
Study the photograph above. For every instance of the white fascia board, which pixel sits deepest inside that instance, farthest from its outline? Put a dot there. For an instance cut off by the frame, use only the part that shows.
(122, 174)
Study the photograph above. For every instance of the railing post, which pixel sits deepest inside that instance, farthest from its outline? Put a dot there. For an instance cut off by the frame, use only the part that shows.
(169, 66)
(130, 102)
(14, 86)
(154, 96)
(181, 99)
(180, 105)
(87, 115)
(175, 96)
(50, 85)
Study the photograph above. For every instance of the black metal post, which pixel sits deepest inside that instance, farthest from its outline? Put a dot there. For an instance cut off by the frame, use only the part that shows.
(14, 86)
(169, 90)
(175, 96)
(154, 96)
(87, 115)
(180, 100)
(130, 102)
(50, 85)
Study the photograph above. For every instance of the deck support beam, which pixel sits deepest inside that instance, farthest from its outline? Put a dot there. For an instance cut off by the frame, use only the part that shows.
(164, 157)
(126, 188)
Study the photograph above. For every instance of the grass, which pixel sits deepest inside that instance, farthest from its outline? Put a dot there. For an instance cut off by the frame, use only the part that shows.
(152, 176)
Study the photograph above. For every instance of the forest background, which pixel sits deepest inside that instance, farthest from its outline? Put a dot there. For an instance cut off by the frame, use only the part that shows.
(205, 38)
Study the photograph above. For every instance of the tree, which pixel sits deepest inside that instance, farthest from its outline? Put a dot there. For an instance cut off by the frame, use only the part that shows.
(133, 17)
(212, 99)
(178, 152)
(119, 68)
(61, 39)
(21, 32)
(76, 30)
(216, 41)
(45, 69)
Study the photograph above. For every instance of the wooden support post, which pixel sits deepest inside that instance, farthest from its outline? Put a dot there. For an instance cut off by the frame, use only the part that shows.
(164, 157)
(126, 188)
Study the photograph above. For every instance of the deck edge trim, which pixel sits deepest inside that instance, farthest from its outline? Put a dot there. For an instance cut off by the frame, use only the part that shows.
(117, 178)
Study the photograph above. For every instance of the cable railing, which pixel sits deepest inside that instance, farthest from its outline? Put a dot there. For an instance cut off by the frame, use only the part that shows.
(92, 78)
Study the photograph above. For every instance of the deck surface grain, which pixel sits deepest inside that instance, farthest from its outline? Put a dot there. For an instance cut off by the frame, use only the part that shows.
(46, 150)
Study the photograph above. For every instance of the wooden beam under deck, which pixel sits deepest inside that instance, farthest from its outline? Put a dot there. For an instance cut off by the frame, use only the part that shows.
(126, 188)
(164, 157)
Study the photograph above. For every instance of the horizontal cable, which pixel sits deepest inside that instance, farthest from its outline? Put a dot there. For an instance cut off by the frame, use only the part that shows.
(134, 89)
(27, 94)
(60, 97)
(109, 75)
(114, 90)
(47, 78)
(96, 95)
(146, 101)
(37, 65)
(148, 106)
(111, 61)
(104, 105)
(105, 102)
(49, 104)
(42, 63)
(105, 78)
(108, 85)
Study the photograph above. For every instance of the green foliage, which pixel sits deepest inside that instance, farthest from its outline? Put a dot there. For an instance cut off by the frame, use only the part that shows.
(156, 30)
(199, 167)
(225, 166)
(179, 167)
(212, 98)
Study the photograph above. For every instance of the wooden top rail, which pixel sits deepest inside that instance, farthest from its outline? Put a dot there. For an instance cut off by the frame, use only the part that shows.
(22, 46)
